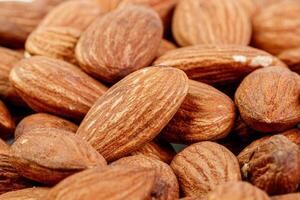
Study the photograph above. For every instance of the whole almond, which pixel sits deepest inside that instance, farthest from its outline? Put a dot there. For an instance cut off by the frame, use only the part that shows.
(111, 183)
(43, 120)
(217, 64)
(268, 99)
(202, 166)
(134, 111)
(211, 22)
(36, 193)
(120, 42)
(291, 58)
(291, 196)
(7, 125)
(54, 86)
(48, 155)
(165, 186)
(205, 114)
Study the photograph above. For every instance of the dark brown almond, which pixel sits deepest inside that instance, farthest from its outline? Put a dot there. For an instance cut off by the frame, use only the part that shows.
(35, 193)
(292, 196)
(292, 59)
(123, 41)
(48, 155)
(134, 111)
(55, 86)
(7, 125)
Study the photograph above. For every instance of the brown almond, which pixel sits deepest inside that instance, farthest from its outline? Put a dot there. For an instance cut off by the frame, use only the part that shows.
(48, 155)
(217, 64)
(134, 111)
(211, 22)
(291, 58)
(291, 196)
(164, 47)
(268, 99)
(55, 86)
(192, 198)
(7, 125)
(255, 6)
(36, 193)
(202, 166)
(123, 41)
(165, 186)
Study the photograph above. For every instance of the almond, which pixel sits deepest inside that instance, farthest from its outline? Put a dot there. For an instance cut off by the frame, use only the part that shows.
(37, 193)
(291, 58)
(54, 86)
(255, 6)
(134, 111)
(292, 196)
(211, 22)
(7, 124)
(202, 166)
(217, 64)
(268, 99)
(120, 42)
(164, 47)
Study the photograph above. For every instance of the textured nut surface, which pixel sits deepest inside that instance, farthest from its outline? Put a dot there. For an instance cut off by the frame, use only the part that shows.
(49, 155)
(54, 86)
(111, 183)
(291, 196)
(202, 166)
(36, 193)
(7, 124)
(164, 47)
(255, 6)
(134, 111)
(268, 99)
(120, 42)
(291, 58)
(211, 22)
(165, 186)
(205, 114)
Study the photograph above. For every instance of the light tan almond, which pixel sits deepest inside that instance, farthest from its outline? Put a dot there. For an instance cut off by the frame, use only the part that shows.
(35, 193)
(291, 196)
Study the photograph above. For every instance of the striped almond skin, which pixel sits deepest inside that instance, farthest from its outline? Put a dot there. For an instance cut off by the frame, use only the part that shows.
(165, 186)
(218, 64)
(54, 86)
(205, 114)
(211, 22)
(7, 125)
(120, 42)
(134, 111)
(111, 183)
(236, 191)
(59, 32)
(291, 196)
(255, 6)
(202, 166)
(291, 58)
(35, 193)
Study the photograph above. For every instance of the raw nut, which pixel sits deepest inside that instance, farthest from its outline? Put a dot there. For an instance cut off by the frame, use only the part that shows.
(218, 64)
(293, 135)
(237, 191)
(157, 149)
(211, 22)
(55, 86)
(268, 99)
(205, 114)
(291, 196)
(272, 165)
(7, 125)
(165, 186)
(58, 33)
(291, 58)
(255, 6)
(242, 130)
(192, 198)
(134, 111)
(43, 120)
(120, 42)
(164, 47)
(111, 183)
(48, 155)
(277, 28)
(36, 193)
(202, 166)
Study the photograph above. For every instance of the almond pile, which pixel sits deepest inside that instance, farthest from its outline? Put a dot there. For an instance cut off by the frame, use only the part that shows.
(149, 100)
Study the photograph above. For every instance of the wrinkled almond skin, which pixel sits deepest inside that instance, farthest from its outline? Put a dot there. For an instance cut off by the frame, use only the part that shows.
(54, 86)
(134, 111)
(237, 191)
(268, 99)
(43, 120)
(205, 114)
(272, 165)
(217, 64)
(291, 58)
(291, 196)
(202, 166)
(36, 193)
(211, 22)
(165, 186)
(49, 155)
(121, 42)
(164, 47)
(7, 125)
(111, 183)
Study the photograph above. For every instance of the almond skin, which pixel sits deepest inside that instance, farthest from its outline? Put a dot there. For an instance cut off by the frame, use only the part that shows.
(268, 99)
(48, 155)
(7, 125)
(36, 193)
(292, 196)
(54, 86)
(123, 41)
(255, 6)
(202, 166)
(291, 58)
(111, 183)
(164, 47)
(43, 120)
(166, 185)
(145, 101)
(217, 64)
(211, 22)
(205, 114)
